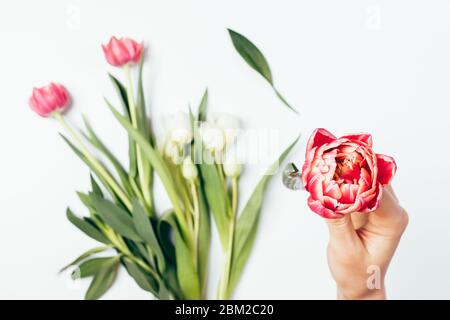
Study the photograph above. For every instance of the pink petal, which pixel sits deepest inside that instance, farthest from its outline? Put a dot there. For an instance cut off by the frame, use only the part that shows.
(332, 190)
(318, 208)
(363, 137)
(315, 187)
(386, 168)
(318, 138)
(349, 192)
(375, 202)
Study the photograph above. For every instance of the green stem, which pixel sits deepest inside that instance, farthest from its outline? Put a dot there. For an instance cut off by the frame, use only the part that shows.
(142, 180)
(224, 294)
(95, 163)
(196, 213)
(234, 194)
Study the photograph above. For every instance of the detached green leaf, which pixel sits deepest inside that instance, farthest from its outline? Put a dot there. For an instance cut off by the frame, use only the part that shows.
(84, 256)
(103, 280)
(116, 217)
(247, 223)
(145, 229)
(86, 227)
(256, 60)
(251, 54)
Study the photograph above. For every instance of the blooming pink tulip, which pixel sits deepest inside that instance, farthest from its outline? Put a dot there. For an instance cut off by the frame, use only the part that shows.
(119, 52)
(344, 175)
(49, 99)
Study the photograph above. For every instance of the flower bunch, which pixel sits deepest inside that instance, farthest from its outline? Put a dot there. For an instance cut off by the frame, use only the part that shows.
(166, 253)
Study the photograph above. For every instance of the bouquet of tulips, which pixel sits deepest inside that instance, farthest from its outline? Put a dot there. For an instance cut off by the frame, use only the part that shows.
(166, 253)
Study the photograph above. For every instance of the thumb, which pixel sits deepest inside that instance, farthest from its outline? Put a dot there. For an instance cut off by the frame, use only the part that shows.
(342, 232)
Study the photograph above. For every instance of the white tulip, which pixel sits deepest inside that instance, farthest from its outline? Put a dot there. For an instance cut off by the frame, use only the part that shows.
(231, 164)
(172, 151)
(229, 124)
(212, 136)
(179, 130)
(232, 169)
(189, 169)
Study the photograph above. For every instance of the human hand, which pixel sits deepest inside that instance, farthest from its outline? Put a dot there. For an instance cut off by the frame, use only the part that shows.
(362, 245)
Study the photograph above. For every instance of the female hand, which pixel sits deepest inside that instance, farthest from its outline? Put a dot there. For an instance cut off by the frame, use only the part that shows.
(361, 247)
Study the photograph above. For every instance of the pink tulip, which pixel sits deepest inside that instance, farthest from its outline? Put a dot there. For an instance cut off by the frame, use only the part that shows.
(49, 99)
(119, 52)
(344, 175)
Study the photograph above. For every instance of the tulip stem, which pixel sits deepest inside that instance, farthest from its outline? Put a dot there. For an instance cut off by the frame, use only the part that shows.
(196, 212)
(143, 182)
(224, 293)
(95, 163)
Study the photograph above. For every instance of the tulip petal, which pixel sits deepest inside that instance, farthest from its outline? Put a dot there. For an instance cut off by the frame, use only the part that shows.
(318, 138)
(386, 168)
(315, 187)
(317, 207)
(375, 202)
(363, 137)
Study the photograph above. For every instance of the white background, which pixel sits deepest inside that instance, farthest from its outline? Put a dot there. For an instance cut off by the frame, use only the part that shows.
(365, 65)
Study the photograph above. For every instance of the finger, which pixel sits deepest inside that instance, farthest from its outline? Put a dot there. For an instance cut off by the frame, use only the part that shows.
(389, 206)
(390, 217)
(342, 232)
(389, 189)
(359, 219)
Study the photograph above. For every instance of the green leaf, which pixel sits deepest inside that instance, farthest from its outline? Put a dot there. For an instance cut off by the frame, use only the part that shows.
(142, 278)
(131, 147)
(256, 60)
(158, 164)
(214, 188)
(217, 199)
(103, 280)
(251, 54)
(90, 165)
(116, 217)
(84, 256)
(95, 187)
(204, 238)
(187, 275)
(144, 228)
(121, 93)
(89, 229)
(164, 234)
(201, 114)
(247, 224)
(188, 279)
(96, 142)
(91, 267)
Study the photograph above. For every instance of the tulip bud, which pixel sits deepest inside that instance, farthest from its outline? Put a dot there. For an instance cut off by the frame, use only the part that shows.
(172, 151)
(189, 169)
(212, 136)
(179, 130)
(232, 169)
(119, 52)
(229, 124)
(49, 99)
